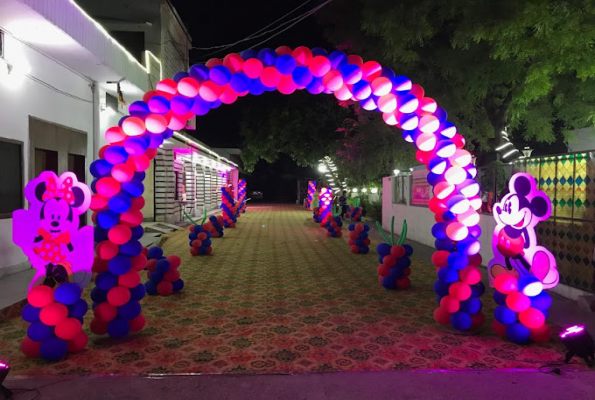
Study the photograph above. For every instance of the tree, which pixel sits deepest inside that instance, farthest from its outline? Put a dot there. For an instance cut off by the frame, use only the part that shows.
(523, 64)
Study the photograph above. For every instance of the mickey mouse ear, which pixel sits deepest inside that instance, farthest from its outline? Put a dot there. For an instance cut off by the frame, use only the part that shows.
(522, 185)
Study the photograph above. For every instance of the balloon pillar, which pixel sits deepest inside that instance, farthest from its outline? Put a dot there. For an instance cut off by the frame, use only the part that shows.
(61, 252)
(228, 206)
(358, 238)
(325, 203)
(242, 196)
(311, 190)
(521, 269)
(394, 268)
(163, 274)
(200, 237)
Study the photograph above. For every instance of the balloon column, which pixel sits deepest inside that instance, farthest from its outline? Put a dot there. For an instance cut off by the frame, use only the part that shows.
(522, 308)
(355, 211)
(242, 196)
(216, 226)
(228, 205)
(132, 144)
(316, 217)
(311, 190)
(62, 255)
(394, 268)
(333, 224)
(358, 238)
(200, 237)
(163, 274)
(325, 202)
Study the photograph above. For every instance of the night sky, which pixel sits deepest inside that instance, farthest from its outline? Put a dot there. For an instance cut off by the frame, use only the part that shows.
(216, 23)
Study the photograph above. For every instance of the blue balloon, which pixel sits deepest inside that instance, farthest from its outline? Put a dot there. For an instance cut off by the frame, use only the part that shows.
(337, 59)
(100, 234)
(137, 232)
(434, 179)
(285, 64)
(163, 266)
(215, 104)
(155, 140)
(319, 51)
(408, 249)
(200, 72)
(198, 229)
(67, 293)
(209, 234)
(156, 276)
(388, 282)
(220, 75)
(134, 188)
(267, 57)
(316, 86)
(448, 216)
(380, 259)
(248, 54)
(200, 106)
(136, 145)
(472, 305)
(401, 84)
(458, 260)
(180, 75)
(543, 301)
(302, 76)
(168, 133)
(78, 309)
(159, 105)
(119, 203)
(403, 262)
(441, 114)
(181, 104)
(359, 242)
(138, 292)
(387, 73)
(505, 315)
(202, 251)
(118, 328)
(132, 248)
(366, 228)
(460, 320)
(98, 295)
(115, 155)
(396, 272)
(475, 231)
(129, 310)
(178, 285)
(30, 313)
(256, 87)
(499, 298)
(53, 349)
(445, 244)
(350, 73)
(140, 175)
(151, 287)
(240, 82)
(518, 333)
(441, 288)
(100, 168)
(439, 231)
(448, 274)
(138, 109)
(478, 290)
(364, 249)
(119, 265)
(155, 253)
(383, 249)
(107, 219)
(206, 243)
(192, 236)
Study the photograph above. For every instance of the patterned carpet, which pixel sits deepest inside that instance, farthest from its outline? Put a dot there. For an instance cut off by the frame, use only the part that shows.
(278, 296)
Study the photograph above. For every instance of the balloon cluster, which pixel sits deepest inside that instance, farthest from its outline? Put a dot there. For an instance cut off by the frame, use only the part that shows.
(200, 236)
(56, 319)
(354, 210)
(163, 274)
(228, 205)
(325, 203)
(216, 226)
(333, 224)
(394, 268)
(458, 289)
(358, 238)
(522, 309)
(311, 190)
(242, 196)
(316, 216)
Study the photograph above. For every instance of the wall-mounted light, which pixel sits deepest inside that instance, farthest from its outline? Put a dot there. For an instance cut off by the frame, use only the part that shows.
(354, 190)
(322, 168)
(374, 190)
(396, 172)
(364, 190)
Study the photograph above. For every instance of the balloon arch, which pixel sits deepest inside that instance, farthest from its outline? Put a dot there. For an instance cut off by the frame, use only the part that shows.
(119, 172)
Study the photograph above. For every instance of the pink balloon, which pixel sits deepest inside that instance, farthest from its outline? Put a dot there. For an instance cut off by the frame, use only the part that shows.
(319, 66)
(133, 126)
(107, 187)
(188, 87)
(156, 123)
(168, 86)
(253, 68)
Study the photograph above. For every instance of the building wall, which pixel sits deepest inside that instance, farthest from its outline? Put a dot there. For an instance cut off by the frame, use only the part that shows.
(22, 97)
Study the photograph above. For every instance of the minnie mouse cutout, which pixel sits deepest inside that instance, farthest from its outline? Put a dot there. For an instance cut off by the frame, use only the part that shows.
(514, 241)
(48, 232)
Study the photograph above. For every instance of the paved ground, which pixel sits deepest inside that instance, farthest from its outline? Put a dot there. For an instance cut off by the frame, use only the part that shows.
(278, 296)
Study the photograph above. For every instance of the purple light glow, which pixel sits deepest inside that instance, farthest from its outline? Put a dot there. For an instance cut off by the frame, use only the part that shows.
(571, 331)
(3, 366)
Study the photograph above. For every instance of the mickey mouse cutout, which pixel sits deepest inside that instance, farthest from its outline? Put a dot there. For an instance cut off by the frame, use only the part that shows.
(48, 232)
(514, 242)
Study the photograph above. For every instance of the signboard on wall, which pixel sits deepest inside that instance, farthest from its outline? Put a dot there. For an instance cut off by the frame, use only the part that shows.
(420, 188)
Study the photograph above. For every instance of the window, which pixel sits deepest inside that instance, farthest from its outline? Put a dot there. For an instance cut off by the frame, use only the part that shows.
(11, 177)
(111, 102)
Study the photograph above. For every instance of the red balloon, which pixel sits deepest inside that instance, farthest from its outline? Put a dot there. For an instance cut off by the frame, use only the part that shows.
(424, 157)
(131, 218)
(450, 304)
(229, 96)
(283, 50)
(139, 262)
(107, 250)
(148, 95)
(137, 203)
(40, 296)
(68, 329)
(371, 70)
(302, 54)
(440, 258)
(253, 68)
(475, 260)
(213, 62)
(460, 290)
(168, 86)
(403, 283)
(174, 261)
(202, 236)
(140, 163)
(397, 251)
(319, 66)
(119, 234)
(286, 85)
(138, 323)
(30, 348)
(470, 275)
(383, 270)
(172, 275)
(78, 343)
(518, 302)
(53, 313)
(197, 244)
(98, 203)
(532, 318)
(541, 334)
(99, 265)
(390, 260)
(270, 77)
(187, 87)
(355, 60)
(101, 151)
(164, 288)
(130, 279)
(209, 250)
(354, 249)
(367, 242)
(506, 283)
(499, 328)
(441, 316)
(107, 187)
(359, 228)
(234, 62)
(417, 91)
(478, 320)
(151, 264)
(98, 327)
(105, 312)
(118, 296)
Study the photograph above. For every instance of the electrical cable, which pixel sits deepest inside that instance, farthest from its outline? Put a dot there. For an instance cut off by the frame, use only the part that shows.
(255, 33)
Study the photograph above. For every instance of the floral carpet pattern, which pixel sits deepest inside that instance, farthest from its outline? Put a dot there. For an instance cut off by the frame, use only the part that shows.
(278, 296)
